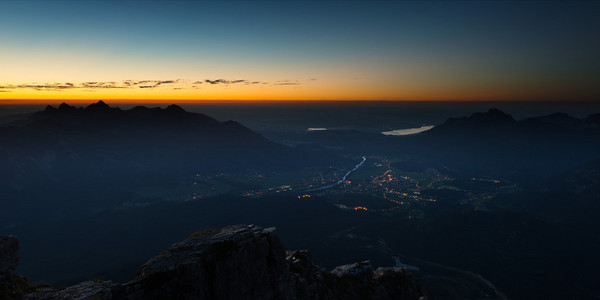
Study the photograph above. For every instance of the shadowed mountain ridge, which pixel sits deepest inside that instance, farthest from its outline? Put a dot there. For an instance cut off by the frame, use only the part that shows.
(76, 149)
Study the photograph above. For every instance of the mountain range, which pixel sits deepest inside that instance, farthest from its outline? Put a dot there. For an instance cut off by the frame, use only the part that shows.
(66, 159)
(488, 143)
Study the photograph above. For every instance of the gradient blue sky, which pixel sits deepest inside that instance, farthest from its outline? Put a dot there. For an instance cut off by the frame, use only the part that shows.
(326, 50)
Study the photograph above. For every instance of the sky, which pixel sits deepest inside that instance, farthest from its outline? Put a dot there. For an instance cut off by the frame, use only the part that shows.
(299, 50)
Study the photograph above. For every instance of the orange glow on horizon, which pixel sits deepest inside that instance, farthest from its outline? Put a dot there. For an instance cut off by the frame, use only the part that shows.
(86, 101)
(300, 93)
(220, 90)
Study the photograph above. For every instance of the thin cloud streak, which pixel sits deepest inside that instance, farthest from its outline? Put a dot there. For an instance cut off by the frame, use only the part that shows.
(287, 82)
(93, 85)
(224, 81)
(174, 84)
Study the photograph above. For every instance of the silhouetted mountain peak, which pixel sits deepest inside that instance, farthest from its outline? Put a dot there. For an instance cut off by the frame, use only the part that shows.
(99, 106)
(50, 108)
(101, 112)
(492, 115)
(174, 109)
(492, 118)
(66, 107)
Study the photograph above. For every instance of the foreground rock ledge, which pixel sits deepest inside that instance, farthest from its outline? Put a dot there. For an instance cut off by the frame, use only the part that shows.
(244, 262)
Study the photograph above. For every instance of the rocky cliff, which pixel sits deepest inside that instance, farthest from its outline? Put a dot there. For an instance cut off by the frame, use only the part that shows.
(243, 262)
(12, 286)
(8, 256)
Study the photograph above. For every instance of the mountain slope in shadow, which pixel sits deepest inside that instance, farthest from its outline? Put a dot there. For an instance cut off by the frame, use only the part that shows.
(488, 143)
(69, 158)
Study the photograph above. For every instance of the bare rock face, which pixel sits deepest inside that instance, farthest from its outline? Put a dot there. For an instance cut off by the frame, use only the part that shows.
(248, 262)
(97, 290)
(9, 245)
(235, 262)
(355, 269)
(353, 281)
(12, 286)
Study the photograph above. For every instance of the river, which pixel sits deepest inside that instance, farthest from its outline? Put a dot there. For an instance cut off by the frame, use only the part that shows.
(341, 180)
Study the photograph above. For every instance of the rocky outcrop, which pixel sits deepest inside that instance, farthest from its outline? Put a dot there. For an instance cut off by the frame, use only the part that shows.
(8, 256)
(248, 262)
(237, 262)
(353, 281)
(96, 290)
(243, 262)
(12, 286)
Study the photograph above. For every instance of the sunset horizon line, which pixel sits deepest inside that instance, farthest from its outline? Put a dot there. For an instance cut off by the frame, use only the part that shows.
(5, 102)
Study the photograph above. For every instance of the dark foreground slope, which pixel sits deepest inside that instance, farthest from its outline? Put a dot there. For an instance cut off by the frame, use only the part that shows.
(571, 199)
(236, 262)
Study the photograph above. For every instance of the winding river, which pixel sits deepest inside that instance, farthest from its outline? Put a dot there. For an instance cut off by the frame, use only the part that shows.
(341, 180)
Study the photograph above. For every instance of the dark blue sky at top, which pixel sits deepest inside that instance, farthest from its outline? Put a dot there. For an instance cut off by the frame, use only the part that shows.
(555, 39)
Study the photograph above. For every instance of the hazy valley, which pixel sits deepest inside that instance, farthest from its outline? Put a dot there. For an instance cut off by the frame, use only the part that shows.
(94, 192)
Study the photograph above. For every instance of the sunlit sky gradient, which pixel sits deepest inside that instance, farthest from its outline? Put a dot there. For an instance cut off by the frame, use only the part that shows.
(298, 50)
